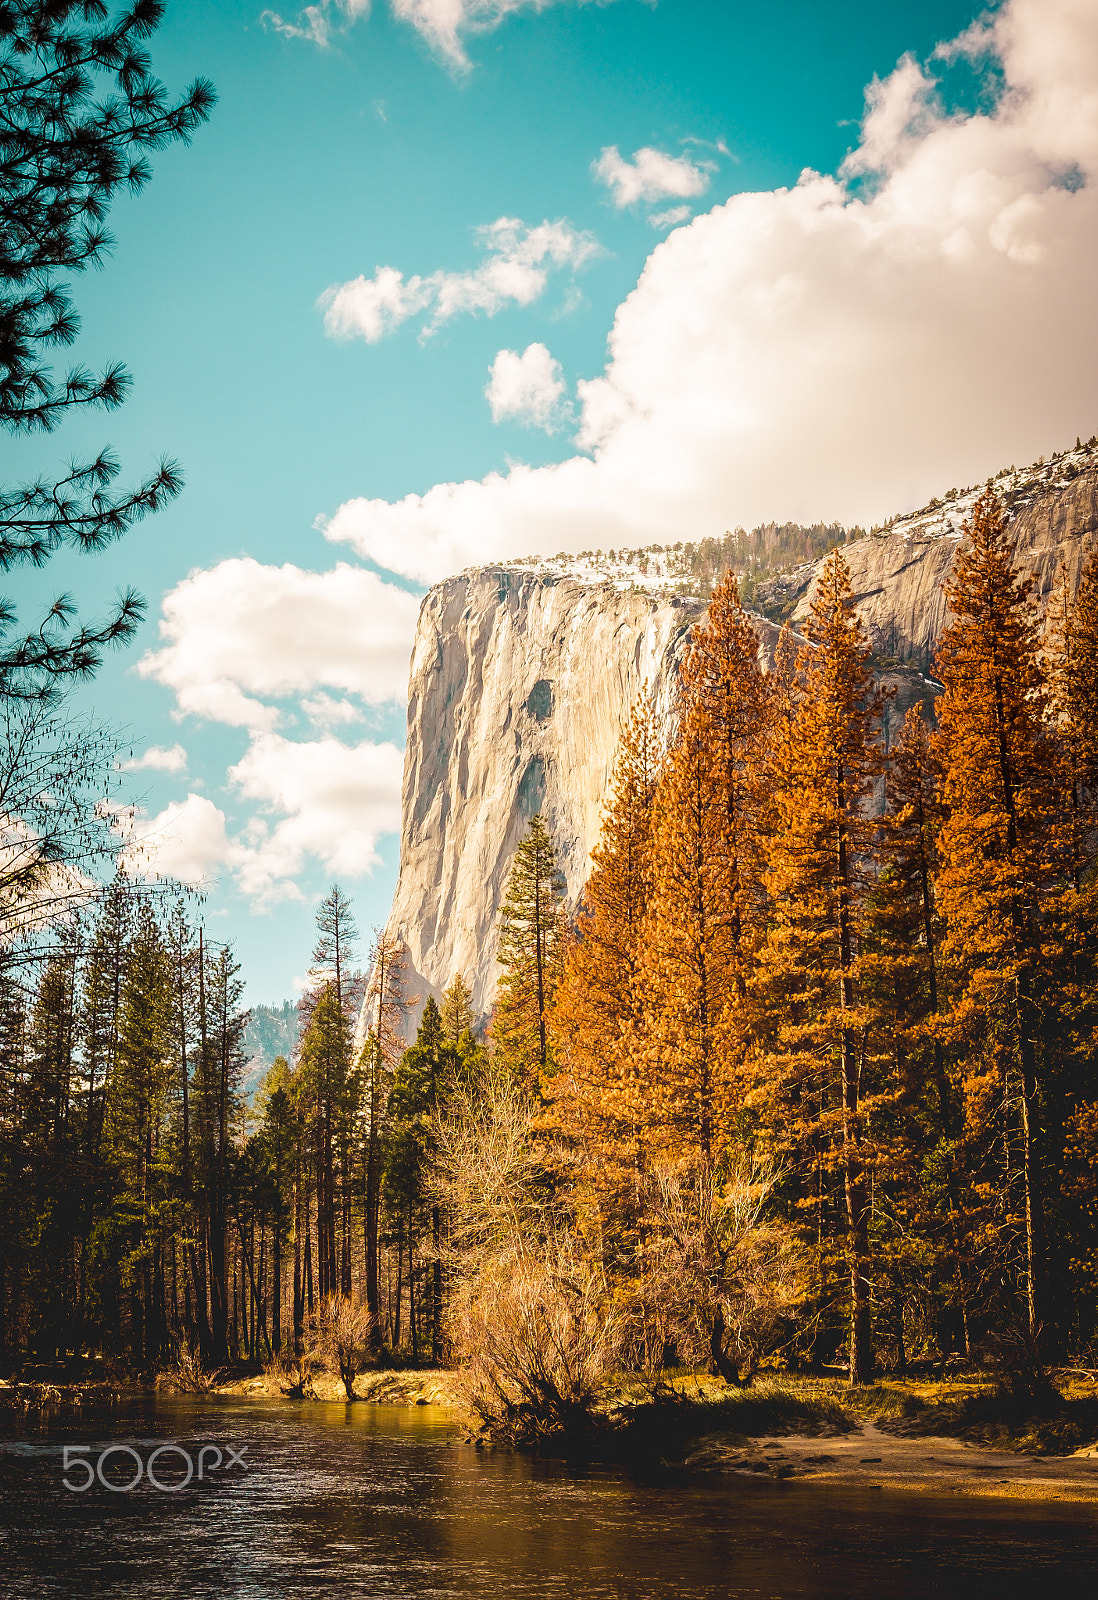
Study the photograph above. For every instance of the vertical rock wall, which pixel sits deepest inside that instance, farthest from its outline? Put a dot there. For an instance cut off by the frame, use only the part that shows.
(520, 685)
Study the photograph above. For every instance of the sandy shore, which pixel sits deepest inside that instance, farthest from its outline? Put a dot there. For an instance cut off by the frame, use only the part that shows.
(872, 1458)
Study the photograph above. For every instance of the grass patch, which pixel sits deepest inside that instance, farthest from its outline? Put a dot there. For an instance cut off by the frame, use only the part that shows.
(985, 1413)
(664, 1428)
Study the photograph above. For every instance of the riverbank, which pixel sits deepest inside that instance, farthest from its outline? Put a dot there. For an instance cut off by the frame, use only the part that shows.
(410, 1387)
(961, 1438)
(966, 1438)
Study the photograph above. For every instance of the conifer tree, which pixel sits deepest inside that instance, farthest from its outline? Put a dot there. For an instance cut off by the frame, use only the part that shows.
(823, 761)
(999, 852)
(907, 990)
(386, 1006)
(328, 1087)
(692, 978)
(456, 1012)
(81, 111)
(596, 1011)
(137, 1106)
(530, 951)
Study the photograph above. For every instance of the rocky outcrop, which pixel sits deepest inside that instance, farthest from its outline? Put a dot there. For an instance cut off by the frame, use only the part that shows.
(898, 573)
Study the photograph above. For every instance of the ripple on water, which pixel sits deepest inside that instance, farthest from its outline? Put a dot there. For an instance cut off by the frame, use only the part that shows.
(371, 1501)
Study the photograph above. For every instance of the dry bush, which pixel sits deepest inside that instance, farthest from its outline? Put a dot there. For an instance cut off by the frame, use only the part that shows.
(536, 1335)
(493, 1177)
(719, 1282)
(337, 1338)
(531, 1321)
(185, 1373)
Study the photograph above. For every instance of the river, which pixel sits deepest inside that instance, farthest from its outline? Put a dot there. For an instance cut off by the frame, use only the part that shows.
(366, 1501)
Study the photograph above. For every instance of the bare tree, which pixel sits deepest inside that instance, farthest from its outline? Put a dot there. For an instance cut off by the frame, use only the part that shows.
(718, 1278)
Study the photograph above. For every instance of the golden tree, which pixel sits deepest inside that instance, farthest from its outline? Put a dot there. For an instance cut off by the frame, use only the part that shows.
(999, 849)
(692, 979)
(595, 1014)
(824, 757)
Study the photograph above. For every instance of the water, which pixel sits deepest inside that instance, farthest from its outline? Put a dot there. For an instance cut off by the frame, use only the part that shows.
(370, 1501)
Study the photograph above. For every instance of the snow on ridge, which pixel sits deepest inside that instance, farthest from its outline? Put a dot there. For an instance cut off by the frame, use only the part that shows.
(663, 569)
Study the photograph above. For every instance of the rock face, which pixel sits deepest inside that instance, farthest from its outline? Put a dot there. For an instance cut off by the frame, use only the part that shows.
(520, 685)
(522, 679)
(898, 574)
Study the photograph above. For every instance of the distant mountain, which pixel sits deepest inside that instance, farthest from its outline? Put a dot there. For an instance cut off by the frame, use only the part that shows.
(271, 1032)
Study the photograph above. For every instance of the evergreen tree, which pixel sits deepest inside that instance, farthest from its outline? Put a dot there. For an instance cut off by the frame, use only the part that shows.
(81, 111)
(137, 1105)
(693, 975)
(531, 942)
(456, 1015)
(596, 1010)
(824, 759)
(385, 1008)
(999, 850)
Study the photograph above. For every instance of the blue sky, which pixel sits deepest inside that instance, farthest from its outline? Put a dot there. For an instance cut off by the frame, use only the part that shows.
(378, 149)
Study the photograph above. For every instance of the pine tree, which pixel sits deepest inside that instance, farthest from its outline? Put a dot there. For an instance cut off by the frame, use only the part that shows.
(999, 851)
(596, 1011)
(329, 1086)
(693, 974)
(81, 111)
(823, 761)
(385, 1007)
(531, 941)
(906, 987)
(137, 1105)
(456, 1012)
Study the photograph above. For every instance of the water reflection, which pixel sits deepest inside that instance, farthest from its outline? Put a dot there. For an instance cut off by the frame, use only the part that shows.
(370, 1501)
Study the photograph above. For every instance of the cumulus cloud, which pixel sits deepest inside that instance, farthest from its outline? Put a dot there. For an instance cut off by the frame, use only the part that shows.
(839, 349)
(187, 840)
(319, 800)
(157, 759)
(241, 631)
(442, 23)
(333, 801)
(236, 637)
(650, 175)
(526, 388)
(515, 271)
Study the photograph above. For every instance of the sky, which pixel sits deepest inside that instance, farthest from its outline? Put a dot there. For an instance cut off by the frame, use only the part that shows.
(444, 282)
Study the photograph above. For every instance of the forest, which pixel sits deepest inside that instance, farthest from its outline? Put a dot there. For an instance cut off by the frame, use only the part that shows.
(804, 1082)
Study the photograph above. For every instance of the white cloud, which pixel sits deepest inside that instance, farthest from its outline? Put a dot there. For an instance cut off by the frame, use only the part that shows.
(442, 23)
(335, 801)
(187, 840)
(650, 175)
(671, 217)
(241, 630)
(157, 759)
(242, 634)
(839, 349)
(325, 711)
(518, 261)
(528, 388)
(317, 23)
(319, 801)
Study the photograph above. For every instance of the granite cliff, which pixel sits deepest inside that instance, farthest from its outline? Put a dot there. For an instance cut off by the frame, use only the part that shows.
(522, 677)
(520, 683)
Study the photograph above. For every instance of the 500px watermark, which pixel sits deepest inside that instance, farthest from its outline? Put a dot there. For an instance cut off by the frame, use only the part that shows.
(169, 1467)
